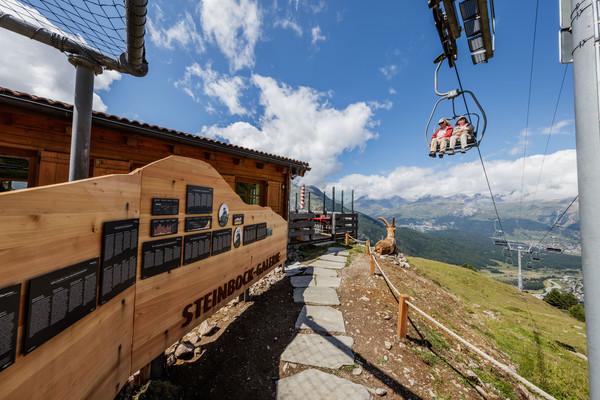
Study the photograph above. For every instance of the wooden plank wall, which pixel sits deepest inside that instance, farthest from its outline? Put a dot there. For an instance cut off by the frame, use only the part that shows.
(120, 151)
(48, 228)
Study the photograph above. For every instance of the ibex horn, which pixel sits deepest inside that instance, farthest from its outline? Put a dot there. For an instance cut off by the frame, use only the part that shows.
(383, 219)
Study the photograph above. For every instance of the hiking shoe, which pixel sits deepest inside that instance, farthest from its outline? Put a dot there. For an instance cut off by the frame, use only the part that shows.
(463, 150)
(432, 154)
(441, 155)
(451, 152)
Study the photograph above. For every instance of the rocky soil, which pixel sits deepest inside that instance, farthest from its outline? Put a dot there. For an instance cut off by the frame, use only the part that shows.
(235, 353)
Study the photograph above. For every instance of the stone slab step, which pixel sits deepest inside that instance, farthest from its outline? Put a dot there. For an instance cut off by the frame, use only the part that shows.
(327, 264)
(332, 257)
(321, 319)
(320, 351)
(313, 384)
(318, 271)
(324, 296)
(318, 281)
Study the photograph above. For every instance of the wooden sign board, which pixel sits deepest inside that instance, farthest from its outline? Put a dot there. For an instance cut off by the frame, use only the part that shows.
(50, 229)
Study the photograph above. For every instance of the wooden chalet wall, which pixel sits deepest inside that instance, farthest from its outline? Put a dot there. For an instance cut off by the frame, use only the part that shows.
(50, 228)
(45, 138)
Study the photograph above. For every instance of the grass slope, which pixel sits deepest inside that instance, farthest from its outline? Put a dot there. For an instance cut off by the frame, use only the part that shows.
(541, 340)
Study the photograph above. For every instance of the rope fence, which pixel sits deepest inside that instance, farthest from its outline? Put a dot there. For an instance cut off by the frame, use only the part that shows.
(404, 302)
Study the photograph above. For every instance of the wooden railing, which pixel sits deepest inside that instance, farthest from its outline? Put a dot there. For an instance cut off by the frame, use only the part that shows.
(306, 227)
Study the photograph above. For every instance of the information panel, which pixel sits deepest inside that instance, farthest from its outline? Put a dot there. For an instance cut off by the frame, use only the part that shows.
(119, 257)
(165, 206)
(199, 200)
(221, 241)
(160, 256)
(196, 247)
(193, 224)
(261, 231)
(10, 298)
(164, 226)
(249, 234)
(59, 299)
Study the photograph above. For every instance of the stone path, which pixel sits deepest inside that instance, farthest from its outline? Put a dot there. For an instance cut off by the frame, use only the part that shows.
(321, 342)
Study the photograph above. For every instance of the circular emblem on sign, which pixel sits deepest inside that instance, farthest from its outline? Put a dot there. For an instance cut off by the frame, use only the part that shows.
(223, 214)
(237, 237)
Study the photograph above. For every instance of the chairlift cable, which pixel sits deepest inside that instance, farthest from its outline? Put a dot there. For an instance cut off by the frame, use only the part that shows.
(537, 6)
(550, 133)
(556, 222)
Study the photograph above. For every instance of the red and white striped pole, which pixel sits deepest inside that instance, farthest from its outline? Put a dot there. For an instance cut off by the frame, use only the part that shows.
(302, 198)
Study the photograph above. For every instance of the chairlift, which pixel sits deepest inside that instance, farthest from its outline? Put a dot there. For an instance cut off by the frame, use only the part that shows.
(555, 246)
(507, 255)
(498, 237)
(535, 254)
(529, 266)
(474, 118)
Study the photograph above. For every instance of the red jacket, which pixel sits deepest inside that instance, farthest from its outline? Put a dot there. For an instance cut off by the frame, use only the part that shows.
(448, 132)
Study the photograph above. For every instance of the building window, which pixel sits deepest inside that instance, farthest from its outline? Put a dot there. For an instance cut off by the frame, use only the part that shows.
(249, 192)
(14, 173)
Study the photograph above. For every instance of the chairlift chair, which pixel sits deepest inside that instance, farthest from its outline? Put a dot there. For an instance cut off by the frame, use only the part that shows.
(556, 244)
(498, 237)
(472, 117)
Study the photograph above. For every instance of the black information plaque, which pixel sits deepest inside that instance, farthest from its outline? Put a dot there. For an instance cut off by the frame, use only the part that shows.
(164, 226)
(165, 206)
(221, 241)
(160, 256)
(261, 231)
(238, 219)
(193, 224)
(249, 234)
(10, 299)
(119, 257)
(196, 247)
(199, 200)
(59, 299)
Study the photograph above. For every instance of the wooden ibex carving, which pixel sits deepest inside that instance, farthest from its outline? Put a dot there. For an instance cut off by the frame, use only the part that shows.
(387, 245)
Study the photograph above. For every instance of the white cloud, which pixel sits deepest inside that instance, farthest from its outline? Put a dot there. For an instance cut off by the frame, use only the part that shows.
(389, 71)
(226, 89)
(316, 35)
(35, 68)
(182, 33)
(318, 7)
(289, 24)
(235, 25)
(558, 180)
(391, 90)
(297, 123)
(387, 105)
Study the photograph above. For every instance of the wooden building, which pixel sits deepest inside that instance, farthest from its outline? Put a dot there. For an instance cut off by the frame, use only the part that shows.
(35, 140)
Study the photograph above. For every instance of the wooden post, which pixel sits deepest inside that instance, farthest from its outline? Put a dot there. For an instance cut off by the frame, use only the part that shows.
(368, 247)
(347, 239)
(402, 316)
(372, 265)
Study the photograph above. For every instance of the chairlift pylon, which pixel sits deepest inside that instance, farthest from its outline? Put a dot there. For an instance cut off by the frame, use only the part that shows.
(472, 117)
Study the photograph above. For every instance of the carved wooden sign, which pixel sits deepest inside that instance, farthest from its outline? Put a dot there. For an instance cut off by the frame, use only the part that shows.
(122, 282)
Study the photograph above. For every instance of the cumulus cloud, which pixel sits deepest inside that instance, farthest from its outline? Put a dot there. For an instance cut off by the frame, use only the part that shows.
(558, 180)
(316, 35)
(38, 69)
(226, 89)
(300, 124)
(235, 25)
(389, 71)
(183, 33)
(387, 105)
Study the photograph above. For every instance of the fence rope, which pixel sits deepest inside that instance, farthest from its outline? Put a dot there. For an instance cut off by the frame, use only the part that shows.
(357, 241)
(498, 364)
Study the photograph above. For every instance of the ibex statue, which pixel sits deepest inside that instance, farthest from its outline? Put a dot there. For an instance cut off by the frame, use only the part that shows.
(387, 245)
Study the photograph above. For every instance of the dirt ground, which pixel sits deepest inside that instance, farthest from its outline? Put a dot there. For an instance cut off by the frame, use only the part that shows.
(241, 360)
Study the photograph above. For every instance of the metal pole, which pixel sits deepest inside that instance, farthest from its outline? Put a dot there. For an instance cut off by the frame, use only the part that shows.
(296, 202)
(82, 118)
(352, 201)
(520, 282)
(308, 201)
(342, 202)
(333, 200)
(587, 134)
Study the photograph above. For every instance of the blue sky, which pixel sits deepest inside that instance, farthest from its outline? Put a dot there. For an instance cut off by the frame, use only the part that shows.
(345, 85)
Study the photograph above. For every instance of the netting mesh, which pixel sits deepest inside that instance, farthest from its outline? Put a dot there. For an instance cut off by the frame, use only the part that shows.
(99, 24)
